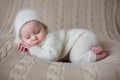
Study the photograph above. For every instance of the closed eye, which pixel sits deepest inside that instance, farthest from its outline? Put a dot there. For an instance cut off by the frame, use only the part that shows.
(37, 32)
(27, 37)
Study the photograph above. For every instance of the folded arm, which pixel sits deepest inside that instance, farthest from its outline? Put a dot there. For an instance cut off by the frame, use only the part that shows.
(51, 49)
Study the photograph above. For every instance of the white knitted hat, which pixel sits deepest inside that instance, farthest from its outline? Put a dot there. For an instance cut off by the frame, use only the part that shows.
(22, 17)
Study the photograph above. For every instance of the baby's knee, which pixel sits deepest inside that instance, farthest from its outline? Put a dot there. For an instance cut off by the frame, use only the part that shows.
(75, 59)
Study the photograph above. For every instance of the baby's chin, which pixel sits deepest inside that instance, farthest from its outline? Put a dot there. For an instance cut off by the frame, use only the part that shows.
(40, 43)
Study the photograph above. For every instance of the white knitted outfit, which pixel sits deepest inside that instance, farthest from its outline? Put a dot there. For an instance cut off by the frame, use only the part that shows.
(75, 42)
(57, 45)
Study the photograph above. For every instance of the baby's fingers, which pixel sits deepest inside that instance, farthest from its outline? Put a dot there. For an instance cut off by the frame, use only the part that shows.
(18, 46)
(21, 48)
(24, 49)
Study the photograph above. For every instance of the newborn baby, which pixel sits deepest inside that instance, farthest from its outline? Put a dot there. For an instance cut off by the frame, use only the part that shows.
(32, 35)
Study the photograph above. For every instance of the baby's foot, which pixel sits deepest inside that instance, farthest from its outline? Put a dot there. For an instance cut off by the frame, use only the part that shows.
(101, 56)
(97, 50)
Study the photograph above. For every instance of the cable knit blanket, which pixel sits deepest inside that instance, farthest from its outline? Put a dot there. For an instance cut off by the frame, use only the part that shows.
(100, 16)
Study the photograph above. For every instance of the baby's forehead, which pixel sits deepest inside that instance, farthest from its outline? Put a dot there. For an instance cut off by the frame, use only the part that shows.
(29, 27)
(33, 22)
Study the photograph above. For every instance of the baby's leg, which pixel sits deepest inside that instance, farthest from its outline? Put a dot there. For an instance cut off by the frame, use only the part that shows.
(81, 51)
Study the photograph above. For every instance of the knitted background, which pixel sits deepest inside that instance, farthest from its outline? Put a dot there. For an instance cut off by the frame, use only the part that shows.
(100, 16)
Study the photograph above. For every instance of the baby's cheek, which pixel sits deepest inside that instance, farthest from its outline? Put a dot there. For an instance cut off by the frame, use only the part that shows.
(28, 42)
(42, 37)
(32, 44)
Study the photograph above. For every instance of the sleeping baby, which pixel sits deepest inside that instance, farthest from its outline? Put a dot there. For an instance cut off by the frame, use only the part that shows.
(32, 36)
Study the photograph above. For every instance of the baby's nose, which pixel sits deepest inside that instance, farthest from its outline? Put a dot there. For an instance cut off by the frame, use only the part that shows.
(34, 37)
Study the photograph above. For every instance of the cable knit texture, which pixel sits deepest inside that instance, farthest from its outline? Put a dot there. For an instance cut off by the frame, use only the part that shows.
(99, 16)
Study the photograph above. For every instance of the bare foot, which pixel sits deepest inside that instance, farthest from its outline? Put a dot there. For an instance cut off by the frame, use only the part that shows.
(101, 56)
(98, 50)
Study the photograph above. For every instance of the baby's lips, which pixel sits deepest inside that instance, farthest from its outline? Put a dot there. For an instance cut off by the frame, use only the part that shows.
(37, 43)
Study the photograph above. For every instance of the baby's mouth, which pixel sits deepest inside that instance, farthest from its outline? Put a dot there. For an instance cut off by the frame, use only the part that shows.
(37, 43)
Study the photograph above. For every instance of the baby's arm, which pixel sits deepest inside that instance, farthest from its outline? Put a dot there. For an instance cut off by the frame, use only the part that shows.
(44, 53)
(50, 50)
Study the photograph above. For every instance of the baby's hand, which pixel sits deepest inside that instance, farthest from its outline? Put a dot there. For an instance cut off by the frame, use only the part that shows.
(21, 47)
(97, 50)
(27, 46)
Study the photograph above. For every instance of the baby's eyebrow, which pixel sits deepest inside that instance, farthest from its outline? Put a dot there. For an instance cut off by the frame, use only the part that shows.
(37, 29)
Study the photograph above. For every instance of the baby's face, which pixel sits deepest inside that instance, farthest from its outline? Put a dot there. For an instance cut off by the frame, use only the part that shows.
(33, 33)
